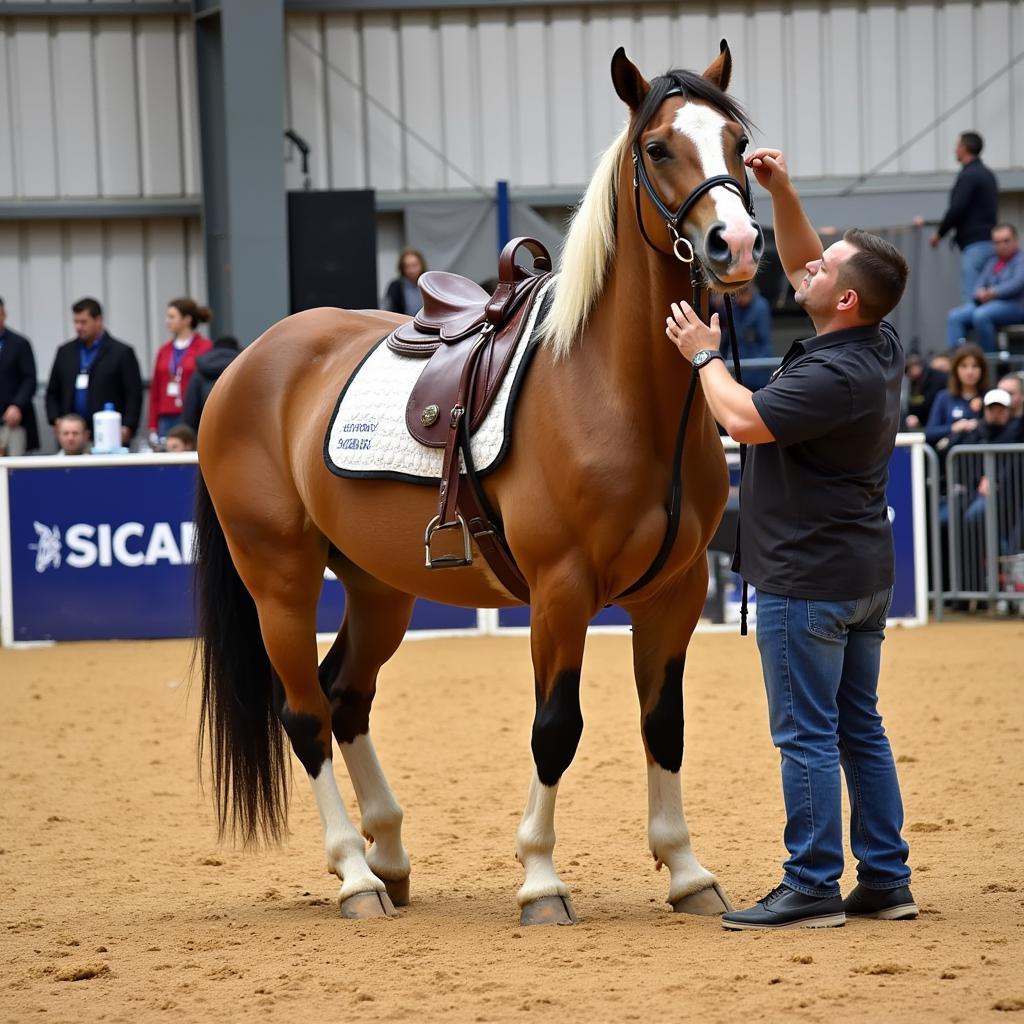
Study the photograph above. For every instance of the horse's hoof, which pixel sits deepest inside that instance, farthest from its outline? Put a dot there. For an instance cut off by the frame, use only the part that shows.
(708, 902)
(548, 910)
(364, 905)
(398, 890)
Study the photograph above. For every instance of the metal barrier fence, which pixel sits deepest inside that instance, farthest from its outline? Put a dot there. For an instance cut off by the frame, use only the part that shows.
(982, 517)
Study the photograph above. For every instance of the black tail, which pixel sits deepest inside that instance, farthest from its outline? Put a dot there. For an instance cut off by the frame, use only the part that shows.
(238, 724)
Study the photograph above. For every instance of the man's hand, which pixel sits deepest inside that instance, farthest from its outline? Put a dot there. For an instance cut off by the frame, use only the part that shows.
(689, 333)
(961, 426)
(12, 416)
(769, 167)
(935, 239)
(983, 487)
(985, 294)
(126, 435)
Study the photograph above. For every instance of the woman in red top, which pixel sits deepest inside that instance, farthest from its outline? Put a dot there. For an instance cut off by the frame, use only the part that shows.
(175, 363)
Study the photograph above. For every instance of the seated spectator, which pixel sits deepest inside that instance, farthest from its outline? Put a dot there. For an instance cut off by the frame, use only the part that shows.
(180, 438)
(752, 317)
(175, 363)
(72, 434)
(924, 385)
(1013, 385)
(93, 369)
(996, 427)
(209, 367)
(18, 431)
(956, 409)
(403, 296)
(999, 297)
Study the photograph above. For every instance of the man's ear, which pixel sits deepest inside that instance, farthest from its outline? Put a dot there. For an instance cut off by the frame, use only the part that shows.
(632, 88)
(848, 300)
(720, 69)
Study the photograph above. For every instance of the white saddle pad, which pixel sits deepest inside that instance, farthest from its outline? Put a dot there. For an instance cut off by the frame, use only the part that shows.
(367, 436)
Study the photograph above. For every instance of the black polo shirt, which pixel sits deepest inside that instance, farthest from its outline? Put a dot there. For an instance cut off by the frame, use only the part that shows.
(813, 511)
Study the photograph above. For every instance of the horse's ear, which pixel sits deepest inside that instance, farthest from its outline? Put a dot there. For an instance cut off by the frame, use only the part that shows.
(630, 85)
(720, 69)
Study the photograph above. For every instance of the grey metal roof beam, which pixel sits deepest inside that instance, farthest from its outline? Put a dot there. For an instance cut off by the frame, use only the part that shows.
(95, 9)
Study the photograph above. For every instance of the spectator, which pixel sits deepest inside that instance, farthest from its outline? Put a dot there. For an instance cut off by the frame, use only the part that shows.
(93, 369)
(752, 316)
(209, 367)
(942, 362)
(72, 434)
(997, 427)
(18, 430)
(175, 363)
(1013, 385)
(924, 385)
(956, 409)
(999, 297)
(972, 212)
(180, 438)
(402, 295)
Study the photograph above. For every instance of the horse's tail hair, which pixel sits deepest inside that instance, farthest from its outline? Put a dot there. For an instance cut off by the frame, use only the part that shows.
(238, 724)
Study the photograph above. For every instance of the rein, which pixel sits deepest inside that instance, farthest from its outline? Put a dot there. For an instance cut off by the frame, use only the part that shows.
(674, 222)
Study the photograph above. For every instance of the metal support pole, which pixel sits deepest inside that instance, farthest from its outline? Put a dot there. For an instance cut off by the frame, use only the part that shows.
(240, 79)
(504, 215)
(934, 531)
(991, 532)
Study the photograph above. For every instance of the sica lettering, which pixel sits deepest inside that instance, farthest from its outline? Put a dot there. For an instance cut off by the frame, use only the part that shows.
(131, 544)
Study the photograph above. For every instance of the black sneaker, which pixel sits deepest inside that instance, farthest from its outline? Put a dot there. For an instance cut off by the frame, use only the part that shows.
(786, 908)
(882, 904)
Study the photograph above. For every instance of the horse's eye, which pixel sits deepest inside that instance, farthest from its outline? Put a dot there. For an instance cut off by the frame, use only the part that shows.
(742, 145)
(657, 152)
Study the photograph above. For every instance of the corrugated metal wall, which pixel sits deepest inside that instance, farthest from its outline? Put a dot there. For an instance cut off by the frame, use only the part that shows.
(525, 94)
(98, 107)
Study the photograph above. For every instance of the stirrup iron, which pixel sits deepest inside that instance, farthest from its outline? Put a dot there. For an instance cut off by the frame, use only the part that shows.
(448, 561)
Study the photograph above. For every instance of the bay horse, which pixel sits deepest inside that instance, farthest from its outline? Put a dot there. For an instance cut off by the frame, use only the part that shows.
(581, 495)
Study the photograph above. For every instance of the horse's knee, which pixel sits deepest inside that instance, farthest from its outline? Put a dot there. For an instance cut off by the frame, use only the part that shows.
(557, 727)
(663, 724)
(350, 707)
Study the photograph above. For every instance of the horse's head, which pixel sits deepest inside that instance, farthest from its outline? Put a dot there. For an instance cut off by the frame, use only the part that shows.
(687, 139)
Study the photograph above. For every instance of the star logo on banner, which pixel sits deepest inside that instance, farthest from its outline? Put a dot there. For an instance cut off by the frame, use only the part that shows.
(48, 547)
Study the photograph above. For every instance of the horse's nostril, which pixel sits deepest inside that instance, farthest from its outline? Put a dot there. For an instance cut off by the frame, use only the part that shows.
(758, 251)
(715, 246)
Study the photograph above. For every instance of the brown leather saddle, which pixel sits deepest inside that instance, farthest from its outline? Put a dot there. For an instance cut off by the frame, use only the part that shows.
(468, 339)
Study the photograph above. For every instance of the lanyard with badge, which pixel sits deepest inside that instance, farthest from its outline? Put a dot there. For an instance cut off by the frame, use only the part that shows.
(177, 368)
(86, 357)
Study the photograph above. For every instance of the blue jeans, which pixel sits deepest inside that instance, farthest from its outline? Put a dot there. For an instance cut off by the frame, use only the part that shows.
(821, 661)
(972, 262)
(984, 319)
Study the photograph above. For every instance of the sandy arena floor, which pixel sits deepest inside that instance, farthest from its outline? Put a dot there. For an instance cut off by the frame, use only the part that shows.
(118, 904)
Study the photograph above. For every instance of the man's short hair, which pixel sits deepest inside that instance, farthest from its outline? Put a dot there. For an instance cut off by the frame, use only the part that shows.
(87, 305)
(1001, 226)
(183, 432)
(877, 272)
(972, 142)
(73, 417)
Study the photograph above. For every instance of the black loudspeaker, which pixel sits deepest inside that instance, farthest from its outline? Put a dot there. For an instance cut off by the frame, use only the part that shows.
(332, 249)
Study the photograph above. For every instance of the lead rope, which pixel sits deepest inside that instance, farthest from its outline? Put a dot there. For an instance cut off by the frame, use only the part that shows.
(734, 345)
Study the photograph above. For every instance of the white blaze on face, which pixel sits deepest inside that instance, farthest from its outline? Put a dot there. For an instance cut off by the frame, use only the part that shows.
(705, 128)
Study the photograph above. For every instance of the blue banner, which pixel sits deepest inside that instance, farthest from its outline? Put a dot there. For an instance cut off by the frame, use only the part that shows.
(104, 552)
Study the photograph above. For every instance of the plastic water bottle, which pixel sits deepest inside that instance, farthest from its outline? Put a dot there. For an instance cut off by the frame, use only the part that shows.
(106, 429)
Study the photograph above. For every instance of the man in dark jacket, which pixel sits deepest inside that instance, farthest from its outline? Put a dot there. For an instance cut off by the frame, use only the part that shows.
(18, 431)
(209, 367)
(924, 384)
(94, 369)
(972, 213)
